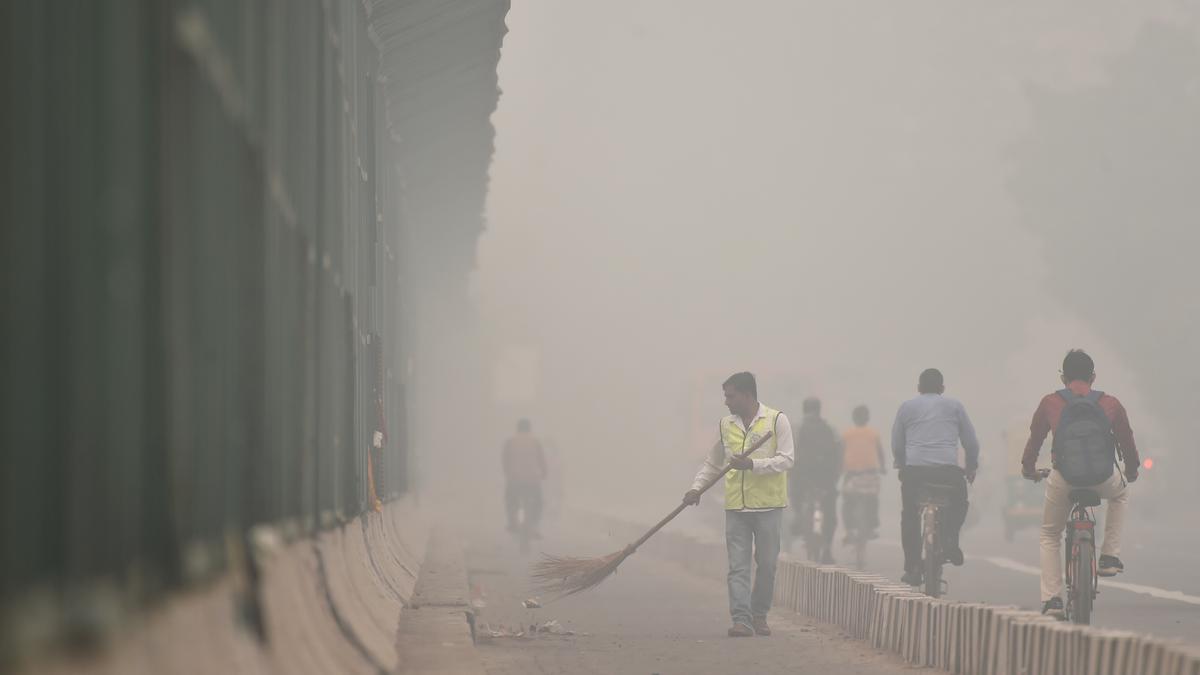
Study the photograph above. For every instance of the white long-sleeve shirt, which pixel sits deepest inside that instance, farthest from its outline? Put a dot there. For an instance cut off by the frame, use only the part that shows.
(719, 456)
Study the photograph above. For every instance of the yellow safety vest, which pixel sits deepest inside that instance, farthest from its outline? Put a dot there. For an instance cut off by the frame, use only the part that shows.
(745, 489)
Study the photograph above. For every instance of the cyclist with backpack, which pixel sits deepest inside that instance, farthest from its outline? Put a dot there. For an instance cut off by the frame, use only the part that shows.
(1091, 430)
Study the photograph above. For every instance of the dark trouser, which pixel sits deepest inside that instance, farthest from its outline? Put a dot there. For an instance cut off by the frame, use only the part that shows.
(527, 497)
(912, 480)
(860, 511)
(802, 498)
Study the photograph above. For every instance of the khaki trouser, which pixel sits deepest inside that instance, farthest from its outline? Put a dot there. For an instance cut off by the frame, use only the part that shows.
(1054, 520)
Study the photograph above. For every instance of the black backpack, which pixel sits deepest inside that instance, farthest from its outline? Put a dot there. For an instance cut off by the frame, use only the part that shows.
(1084, 449)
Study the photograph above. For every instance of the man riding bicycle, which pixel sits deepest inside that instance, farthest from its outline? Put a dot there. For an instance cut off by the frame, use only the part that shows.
(1090, 429)
(862, 466)
(815, 478)
(925, 439)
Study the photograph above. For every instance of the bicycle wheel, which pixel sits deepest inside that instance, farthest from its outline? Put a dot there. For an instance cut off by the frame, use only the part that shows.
(523, 539)
(1083, 588)
(931, 551)
(860, 551)
(815, 541)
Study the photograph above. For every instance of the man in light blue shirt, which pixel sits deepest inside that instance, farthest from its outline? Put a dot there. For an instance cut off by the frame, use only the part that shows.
(925, 440)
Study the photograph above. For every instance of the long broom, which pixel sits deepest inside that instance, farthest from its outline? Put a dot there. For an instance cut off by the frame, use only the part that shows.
(563, 576)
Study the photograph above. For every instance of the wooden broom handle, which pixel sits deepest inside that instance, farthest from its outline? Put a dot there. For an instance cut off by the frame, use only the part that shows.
(713, 481)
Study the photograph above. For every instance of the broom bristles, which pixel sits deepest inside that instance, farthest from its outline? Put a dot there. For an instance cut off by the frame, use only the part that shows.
(563, 576)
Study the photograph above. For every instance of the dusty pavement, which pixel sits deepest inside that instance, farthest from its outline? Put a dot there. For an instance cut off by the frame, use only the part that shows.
(651, 617)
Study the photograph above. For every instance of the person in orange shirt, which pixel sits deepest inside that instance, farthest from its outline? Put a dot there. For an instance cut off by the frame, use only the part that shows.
(863, 465)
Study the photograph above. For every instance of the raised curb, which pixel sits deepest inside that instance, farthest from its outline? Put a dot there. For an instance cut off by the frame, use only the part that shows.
(435, 634)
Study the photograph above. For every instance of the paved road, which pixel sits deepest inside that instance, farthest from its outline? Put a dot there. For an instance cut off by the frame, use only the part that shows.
(652, 617)
(1161, 565)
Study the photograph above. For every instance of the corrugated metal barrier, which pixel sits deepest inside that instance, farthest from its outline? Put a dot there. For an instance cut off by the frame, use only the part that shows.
(207, 309)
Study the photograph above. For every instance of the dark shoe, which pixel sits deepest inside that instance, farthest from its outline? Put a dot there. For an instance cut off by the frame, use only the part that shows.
(912, 578)
(741, 630)
(1054, 608)
(760, 626)
(954, 556)
(1110, 566)
(872, 535)
(827, 559)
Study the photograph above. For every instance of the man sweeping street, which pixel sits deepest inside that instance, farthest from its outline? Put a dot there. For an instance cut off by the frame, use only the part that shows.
(755, 496)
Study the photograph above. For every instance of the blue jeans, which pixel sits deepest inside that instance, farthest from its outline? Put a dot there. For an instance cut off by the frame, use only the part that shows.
(746, 533)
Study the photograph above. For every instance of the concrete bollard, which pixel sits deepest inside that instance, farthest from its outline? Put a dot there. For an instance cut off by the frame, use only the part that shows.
(974, 635)
(944, 625)
(1189, 658)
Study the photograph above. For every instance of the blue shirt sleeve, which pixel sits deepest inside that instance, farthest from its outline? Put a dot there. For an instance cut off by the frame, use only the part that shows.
(966, 434)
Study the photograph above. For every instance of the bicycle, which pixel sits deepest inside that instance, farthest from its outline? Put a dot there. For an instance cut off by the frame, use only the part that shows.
(814, 535)
(523, 529)
(858, 539)
(1080, 552)
(859, 505)
(934, 498)
(523, 534)
(857, 536)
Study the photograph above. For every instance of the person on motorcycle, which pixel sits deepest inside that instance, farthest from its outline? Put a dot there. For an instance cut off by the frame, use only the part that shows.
(815, 478)
(862, 466)
(1091, 430)
(925, 439)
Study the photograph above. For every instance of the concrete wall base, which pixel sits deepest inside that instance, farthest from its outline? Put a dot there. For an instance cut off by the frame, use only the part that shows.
(332, 603)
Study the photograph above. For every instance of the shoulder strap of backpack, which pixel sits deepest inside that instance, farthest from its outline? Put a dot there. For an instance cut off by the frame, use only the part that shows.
(1066, 394)
(1095, 395)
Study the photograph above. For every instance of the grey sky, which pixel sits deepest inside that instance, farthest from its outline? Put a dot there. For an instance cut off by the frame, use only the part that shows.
(667, 173)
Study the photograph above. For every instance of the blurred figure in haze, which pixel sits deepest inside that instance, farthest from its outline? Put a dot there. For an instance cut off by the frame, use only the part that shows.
(524, 463)
(815, 478)
(863, 465)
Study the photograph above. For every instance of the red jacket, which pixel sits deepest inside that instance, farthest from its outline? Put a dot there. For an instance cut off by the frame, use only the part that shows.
(1045, 420)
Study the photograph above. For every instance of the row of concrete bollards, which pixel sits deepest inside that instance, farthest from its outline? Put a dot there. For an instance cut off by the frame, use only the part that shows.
(969, 638)
(964, 638)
